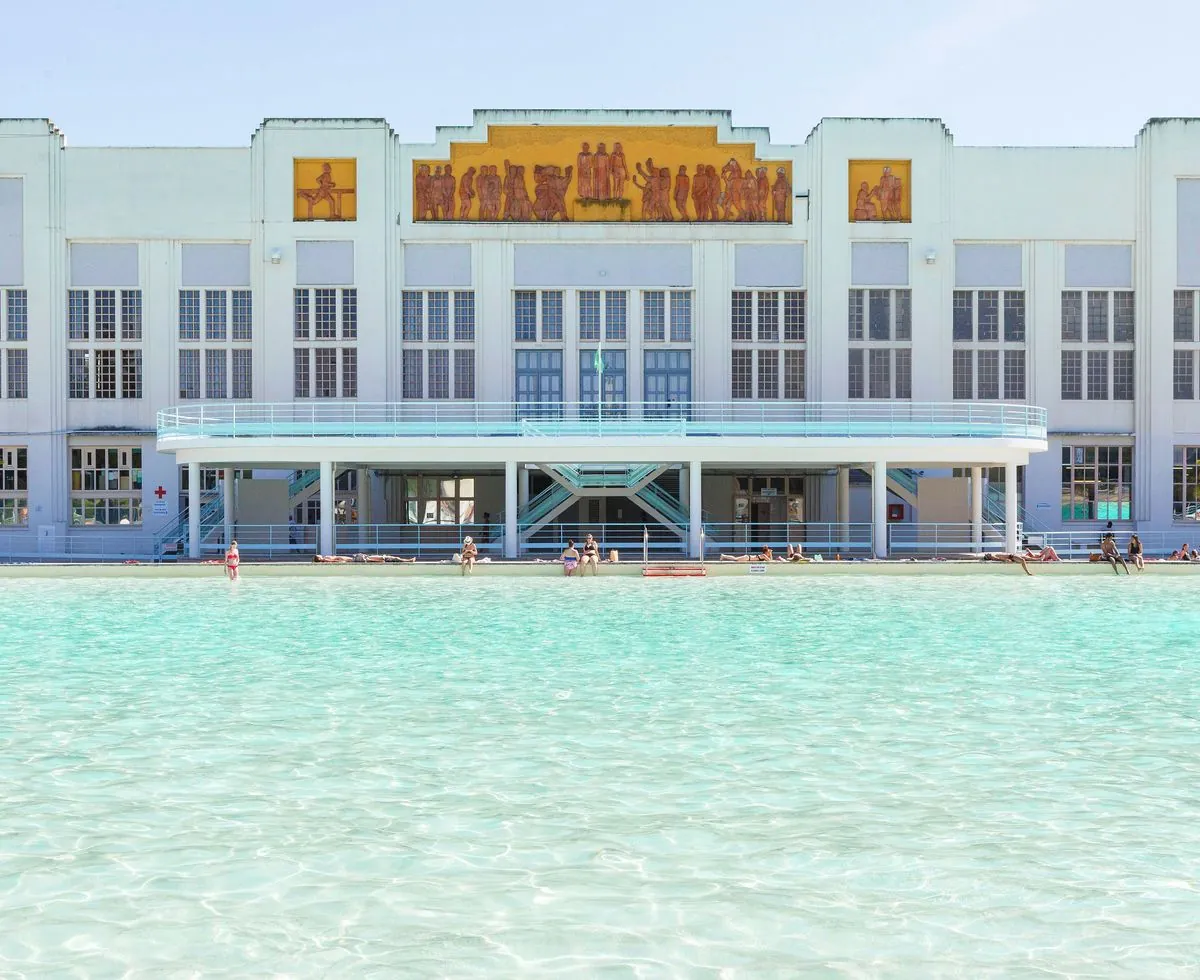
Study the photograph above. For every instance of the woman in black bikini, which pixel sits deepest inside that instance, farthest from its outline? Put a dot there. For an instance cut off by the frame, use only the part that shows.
(591, 556)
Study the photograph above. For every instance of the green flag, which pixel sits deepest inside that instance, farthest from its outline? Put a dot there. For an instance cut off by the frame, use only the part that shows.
(598, 361)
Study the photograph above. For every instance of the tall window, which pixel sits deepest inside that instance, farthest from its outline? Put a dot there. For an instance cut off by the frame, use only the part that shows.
(216, 327)
(603, 313)
(609, 380)
(1097, 345)
(538, 381)
(769, 334)
(439, 500)
(1186, 482)
(1187, 345)
(325, 335)
(1097, 483)
(988, 357)
(538, 316)
(667, 381)
(104, 338)
(106, 485)
(437, 339)
(880, 335)
(14, 486)
(667, 316)
(14, 343)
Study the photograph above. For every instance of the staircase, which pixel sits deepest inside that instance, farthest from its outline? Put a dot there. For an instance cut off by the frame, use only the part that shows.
(171, 541)
(993, 510)
(903, 483)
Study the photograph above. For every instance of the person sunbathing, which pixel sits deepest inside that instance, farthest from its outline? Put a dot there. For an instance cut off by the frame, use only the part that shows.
(794, 553)
(1008, 558)
(1046, 553)
(764, 555)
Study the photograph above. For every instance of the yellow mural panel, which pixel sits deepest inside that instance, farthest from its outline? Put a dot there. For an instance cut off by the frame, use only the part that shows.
(602, 173)
(325, 189)
(881, 190)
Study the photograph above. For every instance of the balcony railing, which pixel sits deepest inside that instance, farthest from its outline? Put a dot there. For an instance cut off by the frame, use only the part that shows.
(339, 419)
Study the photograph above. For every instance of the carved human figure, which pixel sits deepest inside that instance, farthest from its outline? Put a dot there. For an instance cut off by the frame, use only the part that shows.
(764, 192)
(600, 174)
(435, 193)
(889, 191)
(585, 161)
(713, 182)
(560, 184)
(517, 206)
(618, 173)
(649, 188)
(864, 207)
(322, 192)
(749, 184)
(448, 184)
(682, 186)
(781, 194)
(662, 198)
(422, 185)
(698, 187)
(466, 194)
(731, 196)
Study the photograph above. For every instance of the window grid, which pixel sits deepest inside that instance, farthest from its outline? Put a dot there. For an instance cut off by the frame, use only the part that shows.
(215, 373)
(988, 354)
(189, 374)
(14, 486)
(16, 370)
(228, 325)
(1185, 483)
(324, 316)
(1097, 483)
(1187, 345)
(681, 316)
(216, 315)
(104, 331)
(616, 304)
(757, 368)
(106, 485)
(879, 329)
(426, 359)
(243, 373)
(589, 314)
(1097, 336)
(14, 331)
(654, 319)
(16, 315)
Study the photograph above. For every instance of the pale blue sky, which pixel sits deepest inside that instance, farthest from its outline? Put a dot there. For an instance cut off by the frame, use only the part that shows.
(180, 72)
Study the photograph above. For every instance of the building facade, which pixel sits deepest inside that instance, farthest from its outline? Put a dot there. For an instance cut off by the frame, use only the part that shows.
(600, 258)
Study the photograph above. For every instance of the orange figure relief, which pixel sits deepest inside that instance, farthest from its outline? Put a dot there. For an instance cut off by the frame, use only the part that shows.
(618, 173)
(466, 194)
(699, 183)
(764, 192)
(550, 193)
(517, 206)
(682, 186)
(423, 184)
(586, 170)
(781, 194)
(489, 194)
(663, 195)
(326, 191)
(864, 207)
(600, 174)
(890, 193)
(731, 197)
(713, 182)
(749, 185)
(447, 193)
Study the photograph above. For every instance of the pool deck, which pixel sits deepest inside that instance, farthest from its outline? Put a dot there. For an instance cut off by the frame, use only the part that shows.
(508, 569)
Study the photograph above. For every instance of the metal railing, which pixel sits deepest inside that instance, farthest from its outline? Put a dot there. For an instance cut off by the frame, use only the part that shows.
(515, 419)
(814, 537)
(942, 539)
(82, 545)
(417, 540)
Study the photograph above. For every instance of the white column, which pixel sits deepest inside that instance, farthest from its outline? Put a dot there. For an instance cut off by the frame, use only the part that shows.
(695, 511)
(361, 476)
(193, 510)
(843, 495)
(684, 486)
(227, 480)
(522, 488)
(1010, 507)
(977, 507)
(326, 485)
(510, 509)
(879, 507)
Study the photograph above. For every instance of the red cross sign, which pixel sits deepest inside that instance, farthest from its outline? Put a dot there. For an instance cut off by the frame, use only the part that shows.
(160, 493)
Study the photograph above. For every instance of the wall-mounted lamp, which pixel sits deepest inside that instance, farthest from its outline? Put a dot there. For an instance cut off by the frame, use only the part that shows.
(930, 256)
(276, 256)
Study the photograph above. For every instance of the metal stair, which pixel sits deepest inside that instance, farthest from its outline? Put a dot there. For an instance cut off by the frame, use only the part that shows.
(171, 541)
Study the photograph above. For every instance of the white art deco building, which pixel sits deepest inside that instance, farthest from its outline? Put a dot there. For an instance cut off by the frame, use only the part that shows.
(551, 321)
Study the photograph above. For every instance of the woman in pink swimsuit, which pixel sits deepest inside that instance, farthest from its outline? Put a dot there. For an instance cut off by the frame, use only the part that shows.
(232, 560)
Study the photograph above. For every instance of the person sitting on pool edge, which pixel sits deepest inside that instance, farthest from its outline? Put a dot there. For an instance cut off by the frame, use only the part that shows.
(470, 553)
(1135, 553)
(1109, 552)
(1008, 558)
(591, 555)
(570, 558)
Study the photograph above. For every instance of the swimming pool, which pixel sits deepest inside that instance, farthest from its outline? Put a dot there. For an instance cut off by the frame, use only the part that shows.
(843, 776)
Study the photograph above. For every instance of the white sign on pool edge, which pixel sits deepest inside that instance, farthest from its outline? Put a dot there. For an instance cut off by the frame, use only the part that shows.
(757, 570)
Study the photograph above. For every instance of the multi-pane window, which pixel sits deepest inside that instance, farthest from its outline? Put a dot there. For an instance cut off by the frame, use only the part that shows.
(324, 332)
(439, 500)
(106, 485)
(14, 339)
(437, 358)
(667, 315)
(538, 381)
(1187, 345)
(603, 309)
(988, 357)
(14, 486)
(538, 316)
(767, 329)
(880, 336)
(216, 326)
(602, 371)
(1097, 483)
(1186, 484)
(104, 336)
(1097, 334)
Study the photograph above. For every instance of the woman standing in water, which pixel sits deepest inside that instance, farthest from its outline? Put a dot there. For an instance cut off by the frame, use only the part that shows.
(232, 560)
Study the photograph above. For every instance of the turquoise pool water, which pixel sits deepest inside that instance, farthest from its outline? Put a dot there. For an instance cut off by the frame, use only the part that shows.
(932, 776)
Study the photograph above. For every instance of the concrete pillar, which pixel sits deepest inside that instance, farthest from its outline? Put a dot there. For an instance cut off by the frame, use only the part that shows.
(685, 487)
(522, 488)
(977, 507)
(227, 480)
(326, 484)
(510, 509)
(193, 510)
(879, 508)
(1010, 507)
(695, 512)
(361, 477)
(843, 495)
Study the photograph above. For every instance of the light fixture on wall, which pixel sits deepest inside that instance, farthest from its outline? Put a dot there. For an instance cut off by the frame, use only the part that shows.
(930, 256)
(276, 256)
